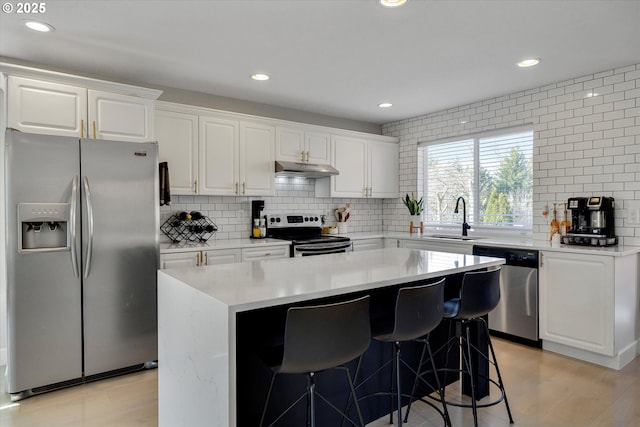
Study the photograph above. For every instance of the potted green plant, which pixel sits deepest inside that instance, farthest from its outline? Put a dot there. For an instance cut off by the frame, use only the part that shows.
(415, 207)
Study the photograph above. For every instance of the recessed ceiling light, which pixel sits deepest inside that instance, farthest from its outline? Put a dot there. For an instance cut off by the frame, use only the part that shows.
(260, 77)
(392, 3)
(529, 62)
(42, 27)
(385, 105)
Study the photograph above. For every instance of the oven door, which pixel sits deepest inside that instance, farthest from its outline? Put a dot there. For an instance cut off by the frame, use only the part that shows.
(310, 249)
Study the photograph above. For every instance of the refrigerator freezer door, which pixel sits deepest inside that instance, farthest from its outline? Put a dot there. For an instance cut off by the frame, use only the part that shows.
(120, 253)
(44, 294)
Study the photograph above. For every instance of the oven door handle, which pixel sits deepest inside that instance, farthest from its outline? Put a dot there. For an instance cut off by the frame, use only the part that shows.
(323, 247)
(323, 252)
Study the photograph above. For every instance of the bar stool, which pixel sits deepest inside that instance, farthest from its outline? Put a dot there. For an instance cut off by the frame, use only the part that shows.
(318, 338)
(479, 294)
(418, 311)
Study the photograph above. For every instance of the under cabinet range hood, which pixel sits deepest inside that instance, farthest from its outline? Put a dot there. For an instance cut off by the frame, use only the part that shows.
(306, 170)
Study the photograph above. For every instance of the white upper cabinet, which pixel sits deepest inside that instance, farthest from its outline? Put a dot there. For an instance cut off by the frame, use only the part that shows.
(383, 169)
(367, 169)
(257, 162)
(236, 158)
(54, 108)
(120, 117)
(177, 136)
(213, 153)
(219, 157)
(350, 158)
(48, 108)
(304, 146)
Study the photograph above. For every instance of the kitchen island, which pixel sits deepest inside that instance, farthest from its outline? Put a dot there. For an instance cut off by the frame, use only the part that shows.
(200, 309)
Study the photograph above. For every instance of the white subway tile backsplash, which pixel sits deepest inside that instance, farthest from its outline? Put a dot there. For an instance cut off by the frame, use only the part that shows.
(583, 144)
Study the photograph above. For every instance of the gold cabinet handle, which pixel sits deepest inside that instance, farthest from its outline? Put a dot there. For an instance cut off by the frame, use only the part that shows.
(307, 156)
(199, 259)
(206, 258)
(195, 186)
(81, 128)
(236, 188)
(302, 156)
(94, 129)
(244, 187)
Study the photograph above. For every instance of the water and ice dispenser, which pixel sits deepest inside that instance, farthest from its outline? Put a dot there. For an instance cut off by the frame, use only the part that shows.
(43, 227)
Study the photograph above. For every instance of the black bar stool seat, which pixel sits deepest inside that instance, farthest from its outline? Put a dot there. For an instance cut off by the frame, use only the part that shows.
(318, 338)
(479, 295)
(418, 311)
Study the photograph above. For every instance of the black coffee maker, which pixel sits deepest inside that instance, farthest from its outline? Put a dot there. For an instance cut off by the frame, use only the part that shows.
(592, 221)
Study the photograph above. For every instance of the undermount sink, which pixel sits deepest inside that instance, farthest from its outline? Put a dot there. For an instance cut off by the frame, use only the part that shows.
(452, 237)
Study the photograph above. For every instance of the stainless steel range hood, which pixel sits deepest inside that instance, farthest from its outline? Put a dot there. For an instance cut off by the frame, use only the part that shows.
(306, 170)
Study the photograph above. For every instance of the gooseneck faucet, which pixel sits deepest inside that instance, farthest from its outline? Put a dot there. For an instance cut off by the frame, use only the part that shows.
(465, 226)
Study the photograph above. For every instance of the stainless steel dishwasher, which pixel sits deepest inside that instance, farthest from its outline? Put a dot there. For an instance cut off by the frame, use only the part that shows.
(516, 316)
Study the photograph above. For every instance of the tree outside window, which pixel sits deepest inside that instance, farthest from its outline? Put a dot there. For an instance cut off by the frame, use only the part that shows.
(493, 173)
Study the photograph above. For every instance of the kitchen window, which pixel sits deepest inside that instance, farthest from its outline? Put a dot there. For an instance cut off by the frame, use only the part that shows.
(493, 172)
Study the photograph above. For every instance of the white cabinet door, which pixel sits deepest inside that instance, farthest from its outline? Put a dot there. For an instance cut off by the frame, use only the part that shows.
(299, 145)
(177, 136)
(290, 144)
(219, 156)
(38, 106)
(47, 108)
(577, 301)
(349, 157)
(257, 162)
(221, 256)
(120, 117)
(269, 252)
(383, 169)
(367, 244)
(180, 259)
(318, 148)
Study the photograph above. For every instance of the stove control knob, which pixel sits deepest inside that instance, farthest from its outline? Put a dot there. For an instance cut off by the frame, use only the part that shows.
(306, 219)
(315, 218)
(278, 219)
(272, 220)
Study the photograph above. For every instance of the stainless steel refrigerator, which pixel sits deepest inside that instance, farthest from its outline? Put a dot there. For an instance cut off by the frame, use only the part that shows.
(82, 255)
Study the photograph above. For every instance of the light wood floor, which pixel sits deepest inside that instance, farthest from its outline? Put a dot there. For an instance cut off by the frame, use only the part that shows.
(544, 389)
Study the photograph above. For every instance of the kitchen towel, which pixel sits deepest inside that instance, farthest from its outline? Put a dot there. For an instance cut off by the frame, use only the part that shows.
(165, 192)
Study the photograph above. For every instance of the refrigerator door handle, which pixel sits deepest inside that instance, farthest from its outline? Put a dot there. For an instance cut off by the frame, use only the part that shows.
(72, 225)
(89, 206)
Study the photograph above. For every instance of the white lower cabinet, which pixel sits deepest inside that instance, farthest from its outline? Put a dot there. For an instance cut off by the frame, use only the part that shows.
(221, 256)
(589, 306)
(269, 252)
(199, 258)
(577, 301)
(367, 244)
(179, 259)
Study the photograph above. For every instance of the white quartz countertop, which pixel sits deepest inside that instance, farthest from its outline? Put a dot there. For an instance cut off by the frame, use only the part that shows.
(503, 241)
(259, 284)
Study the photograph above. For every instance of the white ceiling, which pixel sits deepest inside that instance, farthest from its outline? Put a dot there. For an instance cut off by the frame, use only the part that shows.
(334, 57)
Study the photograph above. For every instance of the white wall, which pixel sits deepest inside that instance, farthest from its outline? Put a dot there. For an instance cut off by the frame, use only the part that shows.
(582, 145)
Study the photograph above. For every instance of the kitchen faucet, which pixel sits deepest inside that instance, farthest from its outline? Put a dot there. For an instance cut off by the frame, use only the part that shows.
(465, 226)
